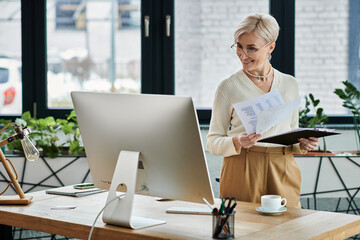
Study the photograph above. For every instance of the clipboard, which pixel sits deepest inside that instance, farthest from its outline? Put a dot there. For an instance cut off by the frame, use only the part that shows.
(291, 137)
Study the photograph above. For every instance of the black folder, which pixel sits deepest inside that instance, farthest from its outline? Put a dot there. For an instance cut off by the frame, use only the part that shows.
(289, 138)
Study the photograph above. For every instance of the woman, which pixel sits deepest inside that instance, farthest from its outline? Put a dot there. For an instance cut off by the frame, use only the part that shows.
(251, 169)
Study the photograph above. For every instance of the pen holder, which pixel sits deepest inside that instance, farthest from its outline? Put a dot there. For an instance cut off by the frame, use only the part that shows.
(223, 225)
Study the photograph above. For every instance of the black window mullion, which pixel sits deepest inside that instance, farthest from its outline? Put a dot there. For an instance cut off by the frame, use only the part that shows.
(146, 47)
(169, 48)
(283, 57)
(204, 115)
(40, 59)
(28, 23)
(152, 77)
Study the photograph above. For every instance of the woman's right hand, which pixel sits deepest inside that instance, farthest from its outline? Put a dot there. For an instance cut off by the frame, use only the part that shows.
(243, 140)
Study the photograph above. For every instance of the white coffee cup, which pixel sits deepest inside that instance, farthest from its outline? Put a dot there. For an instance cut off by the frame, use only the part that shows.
(272, 202)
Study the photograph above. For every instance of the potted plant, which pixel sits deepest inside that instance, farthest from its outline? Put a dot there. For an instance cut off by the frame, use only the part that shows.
(351, 100)
(46, 134)
(62, 157)
(318, 120)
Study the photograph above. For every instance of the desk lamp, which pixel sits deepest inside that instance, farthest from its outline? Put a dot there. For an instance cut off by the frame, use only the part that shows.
(31, 154)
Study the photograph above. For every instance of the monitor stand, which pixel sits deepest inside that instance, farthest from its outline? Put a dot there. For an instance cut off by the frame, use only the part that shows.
(119, 212)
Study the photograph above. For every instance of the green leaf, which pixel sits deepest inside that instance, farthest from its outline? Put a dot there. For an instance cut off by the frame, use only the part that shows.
(21, 122)
(68, 128)
(61, 121)
(75, 148)
(26, 116)
(51, 151)
(4, 122)
(77, 132)
(319, 111)
(72, 116)
(340, 93)
(311, 96)
(319, 119)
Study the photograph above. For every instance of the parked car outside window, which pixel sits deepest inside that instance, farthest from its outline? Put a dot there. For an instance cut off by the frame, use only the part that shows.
(10, 87)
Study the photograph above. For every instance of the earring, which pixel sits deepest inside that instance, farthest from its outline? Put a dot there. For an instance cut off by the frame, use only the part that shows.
(269, 56)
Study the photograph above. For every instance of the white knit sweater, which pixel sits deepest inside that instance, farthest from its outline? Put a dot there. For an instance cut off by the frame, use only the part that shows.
(237, 88)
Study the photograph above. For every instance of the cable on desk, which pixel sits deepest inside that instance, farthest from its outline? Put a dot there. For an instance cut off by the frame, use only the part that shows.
(143, 188)
(93, 226)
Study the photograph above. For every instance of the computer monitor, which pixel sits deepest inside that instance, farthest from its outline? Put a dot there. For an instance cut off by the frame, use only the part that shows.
(151, 141)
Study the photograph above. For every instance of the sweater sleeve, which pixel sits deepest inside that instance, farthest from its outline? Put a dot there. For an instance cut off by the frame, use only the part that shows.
(218, 141)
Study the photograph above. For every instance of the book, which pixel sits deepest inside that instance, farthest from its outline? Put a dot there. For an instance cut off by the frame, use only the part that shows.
(71, 191)
(291, 137)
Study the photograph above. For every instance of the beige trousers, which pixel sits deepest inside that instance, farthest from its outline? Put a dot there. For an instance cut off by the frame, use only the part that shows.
(260, 171)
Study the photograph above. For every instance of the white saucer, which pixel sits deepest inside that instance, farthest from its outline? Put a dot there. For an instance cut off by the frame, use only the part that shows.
(275, 212)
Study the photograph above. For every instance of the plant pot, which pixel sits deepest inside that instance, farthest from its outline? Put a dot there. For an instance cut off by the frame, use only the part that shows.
(348, 153)
(63, 151)
(47, 172)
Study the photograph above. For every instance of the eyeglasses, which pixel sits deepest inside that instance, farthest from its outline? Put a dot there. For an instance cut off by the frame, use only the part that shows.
(249, 51)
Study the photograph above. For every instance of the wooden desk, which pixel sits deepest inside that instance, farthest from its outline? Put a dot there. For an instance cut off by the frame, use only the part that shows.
(293, 224)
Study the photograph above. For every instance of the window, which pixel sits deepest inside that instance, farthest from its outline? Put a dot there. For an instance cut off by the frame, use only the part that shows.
(10, 58)
(354, 42)
(322, 50)
(101, 45)
(93, 46)
(203, 36)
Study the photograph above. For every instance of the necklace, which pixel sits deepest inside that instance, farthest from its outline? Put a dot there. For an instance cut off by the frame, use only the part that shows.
(258, 77)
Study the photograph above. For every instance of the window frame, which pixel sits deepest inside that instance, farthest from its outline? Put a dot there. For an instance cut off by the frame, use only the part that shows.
(157, 60)
(354, 43)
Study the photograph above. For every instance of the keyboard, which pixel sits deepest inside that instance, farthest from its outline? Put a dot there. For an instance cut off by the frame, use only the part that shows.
(189, 210)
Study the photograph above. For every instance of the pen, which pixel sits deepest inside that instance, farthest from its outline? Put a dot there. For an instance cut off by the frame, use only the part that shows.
(84, 185)
(222, 206)
(207, 203)
(218, 215)
(62, 207)
(218, 230)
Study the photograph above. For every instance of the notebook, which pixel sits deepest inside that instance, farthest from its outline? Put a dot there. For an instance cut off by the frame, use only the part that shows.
(71, 191)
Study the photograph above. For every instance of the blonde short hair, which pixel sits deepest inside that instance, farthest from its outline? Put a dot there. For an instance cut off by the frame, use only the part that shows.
(262, 24)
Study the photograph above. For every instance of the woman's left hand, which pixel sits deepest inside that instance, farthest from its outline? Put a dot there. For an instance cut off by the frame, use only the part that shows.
(308, 144)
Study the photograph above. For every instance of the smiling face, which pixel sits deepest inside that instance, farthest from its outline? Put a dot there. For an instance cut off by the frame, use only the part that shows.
(253, 52)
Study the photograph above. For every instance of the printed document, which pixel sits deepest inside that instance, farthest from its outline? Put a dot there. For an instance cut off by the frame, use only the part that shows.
(261, 113)
(269, 118)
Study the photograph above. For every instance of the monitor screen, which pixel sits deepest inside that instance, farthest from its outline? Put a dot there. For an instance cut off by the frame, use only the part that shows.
(164, 131)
